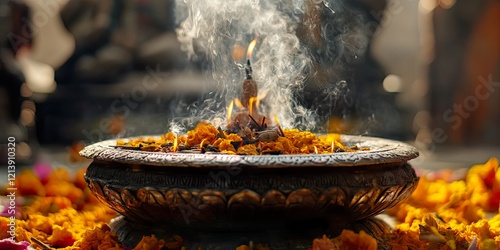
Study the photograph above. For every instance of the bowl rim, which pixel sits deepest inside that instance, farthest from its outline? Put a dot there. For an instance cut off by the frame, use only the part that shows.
(381, 151)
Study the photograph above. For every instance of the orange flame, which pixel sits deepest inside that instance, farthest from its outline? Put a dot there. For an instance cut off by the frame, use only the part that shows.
(315, 149)
(278, 124)
(333, 146)
(251, 46)
(277, 121)
(238, 103)
(251, 101)
(202, 142)
(230, 112)
(260, 97)
(176, 143)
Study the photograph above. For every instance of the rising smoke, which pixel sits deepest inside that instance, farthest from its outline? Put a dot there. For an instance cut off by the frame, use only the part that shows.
(285, 54)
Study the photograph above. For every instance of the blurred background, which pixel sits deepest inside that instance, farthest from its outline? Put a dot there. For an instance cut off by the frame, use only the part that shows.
(74, 72)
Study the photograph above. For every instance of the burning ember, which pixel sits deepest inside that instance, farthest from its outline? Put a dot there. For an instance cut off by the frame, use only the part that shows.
(248, 132)
(251, 140)
(255, 138)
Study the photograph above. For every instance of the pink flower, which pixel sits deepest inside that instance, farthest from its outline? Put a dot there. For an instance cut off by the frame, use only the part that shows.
(7, 244)
(42, 170)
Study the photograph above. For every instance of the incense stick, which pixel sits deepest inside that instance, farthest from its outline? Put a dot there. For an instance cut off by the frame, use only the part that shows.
(41, 244)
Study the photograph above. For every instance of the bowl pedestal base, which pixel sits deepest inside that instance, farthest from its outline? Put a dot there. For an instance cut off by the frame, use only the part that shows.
(294, 237)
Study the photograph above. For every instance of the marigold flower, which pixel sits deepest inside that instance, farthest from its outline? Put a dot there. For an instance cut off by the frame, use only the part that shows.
(346, 240)
(150, 243)
(202, 131)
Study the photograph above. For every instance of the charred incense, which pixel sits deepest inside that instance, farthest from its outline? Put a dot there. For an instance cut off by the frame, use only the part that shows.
(259, 127)
(206, 139)
(249, 114)
(279, 126)
(248, 70)
(250, 90)
(221, 133)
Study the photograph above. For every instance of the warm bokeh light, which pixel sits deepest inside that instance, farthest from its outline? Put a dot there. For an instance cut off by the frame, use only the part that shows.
(238, 53)
(422, 120)
(427, 6)
(392, 83)
(27, 117)
(24, 150)
(446, 4)
(29, 104)
(25, 91)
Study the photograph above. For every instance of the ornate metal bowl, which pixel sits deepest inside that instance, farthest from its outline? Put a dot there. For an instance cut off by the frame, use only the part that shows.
(214, 192)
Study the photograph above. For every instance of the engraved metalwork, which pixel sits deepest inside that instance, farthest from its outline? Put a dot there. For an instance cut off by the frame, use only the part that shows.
(239, 193)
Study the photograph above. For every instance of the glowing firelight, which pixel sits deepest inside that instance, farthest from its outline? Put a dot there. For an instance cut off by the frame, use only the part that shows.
(251, 46)
(230, 112)
(176, 143)
(251, 101)
(202, 142)
(333, 146)
(260, 97)
(278, 124)
(276, 120)
(238, 103)
(315, 149)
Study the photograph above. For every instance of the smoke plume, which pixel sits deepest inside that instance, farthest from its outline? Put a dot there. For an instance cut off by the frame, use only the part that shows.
(294, 37)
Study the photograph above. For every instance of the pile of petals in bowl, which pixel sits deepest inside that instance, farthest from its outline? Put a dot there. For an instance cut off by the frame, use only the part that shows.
(56, 211)
(206, 138)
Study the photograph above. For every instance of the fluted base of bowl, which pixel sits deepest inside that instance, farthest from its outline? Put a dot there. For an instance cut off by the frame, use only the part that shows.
(243, 199)
(283, 238)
